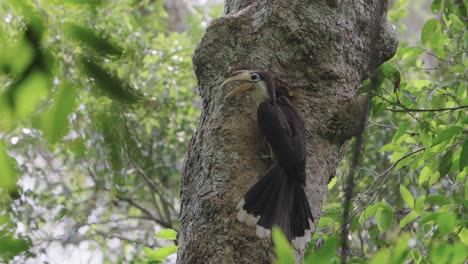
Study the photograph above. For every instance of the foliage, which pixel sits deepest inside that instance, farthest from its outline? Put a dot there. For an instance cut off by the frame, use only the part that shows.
(411, 192)
(282, 247)
(159, 254)
(97, 102)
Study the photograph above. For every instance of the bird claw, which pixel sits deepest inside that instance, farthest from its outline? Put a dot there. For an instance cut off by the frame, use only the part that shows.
(264, 156)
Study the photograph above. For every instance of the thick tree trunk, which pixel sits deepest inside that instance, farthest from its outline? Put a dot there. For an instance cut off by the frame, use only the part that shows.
(319, 50)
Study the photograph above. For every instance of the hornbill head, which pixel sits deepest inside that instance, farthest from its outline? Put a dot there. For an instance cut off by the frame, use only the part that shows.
(260, 84)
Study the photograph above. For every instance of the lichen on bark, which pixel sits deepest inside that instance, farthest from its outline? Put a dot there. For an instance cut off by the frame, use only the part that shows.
(319, 52)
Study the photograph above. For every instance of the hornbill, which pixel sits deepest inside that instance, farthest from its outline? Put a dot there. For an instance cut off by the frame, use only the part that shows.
(278, 198)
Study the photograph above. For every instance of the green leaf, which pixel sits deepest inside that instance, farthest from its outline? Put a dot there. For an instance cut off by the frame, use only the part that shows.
(437, 43)
(384, 219)
(9, 176)
(89, 38)
(434, 177)
(400, 250)
(416, 256)
(283, 249)
(7, 119)
(459, 253)
(29, 92)
(428, 29)
(407, 196)
(397, 155)
(381, 257)
(17, 57)
(324, 221)
(456, 22)
(92, 3)
(410, 53)
(10, 246)
(54, 121)
(458, 69)
(409, 218)
(387, 69)
(436, 6)
(447, 134)
(332, 183)
(112, 86)
(389, 147)
(425, 137)
(168, 234)
(160, 253)
(369, 212)
(424, 175)
(466, 192)
(438, 199)
(463, 162)
(419, 204)
(427, 218)
(441, 253)
(78, 147)
(463, 235)
(405, 162)
(403, 127)
(61, 214)
(411, 98)
(445, 163)
(446, 222)
(325, 254)
(418, 84)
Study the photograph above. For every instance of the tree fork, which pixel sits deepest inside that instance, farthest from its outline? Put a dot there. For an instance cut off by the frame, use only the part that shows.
(319, 50)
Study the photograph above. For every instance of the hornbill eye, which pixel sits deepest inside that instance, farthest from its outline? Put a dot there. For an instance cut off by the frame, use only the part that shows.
(254, 77)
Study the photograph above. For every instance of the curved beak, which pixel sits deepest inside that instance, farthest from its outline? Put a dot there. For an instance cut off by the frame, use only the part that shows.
(239, 76)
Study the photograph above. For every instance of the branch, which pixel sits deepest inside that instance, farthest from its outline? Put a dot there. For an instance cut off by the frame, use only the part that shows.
(145, 211)
(114, 235)
(103, 222)
(427, 110)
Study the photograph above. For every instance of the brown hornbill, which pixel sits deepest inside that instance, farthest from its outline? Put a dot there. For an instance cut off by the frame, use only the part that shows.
(278, 198)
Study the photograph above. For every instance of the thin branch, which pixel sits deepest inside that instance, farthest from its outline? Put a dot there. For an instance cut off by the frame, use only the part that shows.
(114, 235)
(135, 217)
(145, 211)
(427, 110)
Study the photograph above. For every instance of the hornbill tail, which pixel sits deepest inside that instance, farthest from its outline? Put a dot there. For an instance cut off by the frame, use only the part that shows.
(279, 200)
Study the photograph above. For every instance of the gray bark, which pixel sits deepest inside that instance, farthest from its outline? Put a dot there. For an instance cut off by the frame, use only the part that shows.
(178, 12)
(319, 50)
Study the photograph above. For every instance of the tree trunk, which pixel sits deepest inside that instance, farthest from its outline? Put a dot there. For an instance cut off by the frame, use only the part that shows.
(319, 50)
(178, 13)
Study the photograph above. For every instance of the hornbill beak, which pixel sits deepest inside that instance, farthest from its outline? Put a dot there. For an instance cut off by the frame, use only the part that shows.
(239, 76)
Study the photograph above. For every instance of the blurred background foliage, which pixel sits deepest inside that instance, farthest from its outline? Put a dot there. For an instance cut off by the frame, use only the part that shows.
(98, 101)
(411, 197)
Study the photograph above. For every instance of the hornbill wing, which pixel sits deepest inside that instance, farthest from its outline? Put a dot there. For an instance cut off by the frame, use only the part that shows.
(279, 197)
(284, 130)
